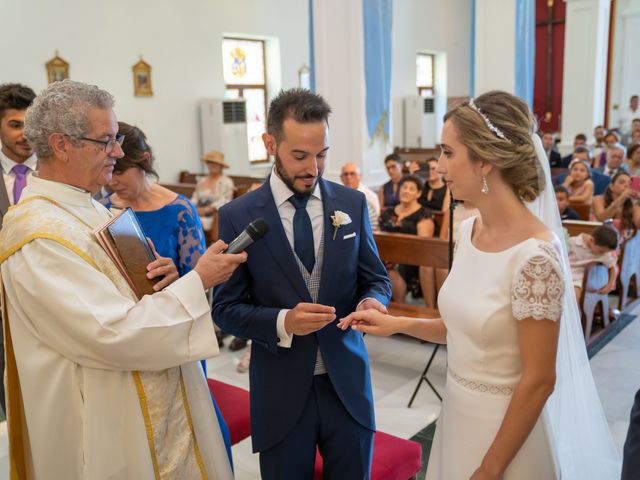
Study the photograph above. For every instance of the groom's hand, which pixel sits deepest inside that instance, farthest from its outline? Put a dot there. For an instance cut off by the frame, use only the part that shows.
(306, 318)
(371, 303)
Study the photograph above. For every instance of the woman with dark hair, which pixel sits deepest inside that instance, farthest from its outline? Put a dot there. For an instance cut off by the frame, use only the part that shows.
(389, 191)
(408, 216)
(434, 192)
(620, 204)
(633, 159)
(519, 402)
(170, 220)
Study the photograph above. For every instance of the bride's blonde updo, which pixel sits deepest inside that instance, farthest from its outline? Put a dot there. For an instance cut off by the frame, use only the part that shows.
(514, 155)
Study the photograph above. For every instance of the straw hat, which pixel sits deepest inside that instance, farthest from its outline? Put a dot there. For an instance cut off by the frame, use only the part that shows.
(215, 156)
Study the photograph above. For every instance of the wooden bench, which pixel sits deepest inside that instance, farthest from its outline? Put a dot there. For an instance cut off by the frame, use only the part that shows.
(582, 209)
(185, 189)
(241, 182)
(576, 227)
(422, 252)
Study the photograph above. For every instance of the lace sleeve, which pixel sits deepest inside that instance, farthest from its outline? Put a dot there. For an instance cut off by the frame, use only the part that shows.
(538, 289)
(191, 242)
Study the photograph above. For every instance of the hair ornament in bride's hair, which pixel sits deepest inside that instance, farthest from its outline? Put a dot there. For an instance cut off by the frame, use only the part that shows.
(499, 133)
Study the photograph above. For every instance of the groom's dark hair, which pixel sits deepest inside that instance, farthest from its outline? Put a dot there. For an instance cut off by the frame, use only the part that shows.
(301, 105)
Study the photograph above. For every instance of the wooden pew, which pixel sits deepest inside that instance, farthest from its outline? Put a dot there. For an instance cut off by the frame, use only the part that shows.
(419, 251)
(576, 227)
(412, 250)
(582, 209)
(185, 189)
(241, 182)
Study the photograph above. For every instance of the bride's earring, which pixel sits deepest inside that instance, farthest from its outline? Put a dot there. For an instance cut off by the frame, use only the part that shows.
(485, 187)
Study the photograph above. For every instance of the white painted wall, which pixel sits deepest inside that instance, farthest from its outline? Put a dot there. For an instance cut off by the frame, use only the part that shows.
(440, 28)
(418, 26)
(585, 66)
(625, 72)
(495, 46)
(180, 40)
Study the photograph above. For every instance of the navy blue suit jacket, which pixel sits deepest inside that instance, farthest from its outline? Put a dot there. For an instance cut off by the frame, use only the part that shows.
(247, 306)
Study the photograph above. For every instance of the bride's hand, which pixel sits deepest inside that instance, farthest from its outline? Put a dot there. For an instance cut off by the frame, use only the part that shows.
(482, 474)
(370, 321)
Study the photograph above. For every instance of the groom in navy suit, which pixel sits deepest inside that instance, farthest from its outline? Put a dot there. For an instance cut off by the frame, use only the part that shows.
(310, 382)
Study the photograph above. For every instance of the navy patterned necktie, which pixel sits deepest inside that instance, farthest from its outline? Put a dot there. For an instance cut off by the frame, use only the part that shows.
(303, 232)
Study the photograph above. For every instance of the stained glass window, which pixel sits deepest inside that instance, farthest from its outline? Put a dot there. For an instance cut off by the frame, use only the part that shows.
(244, 75)
(424, 74)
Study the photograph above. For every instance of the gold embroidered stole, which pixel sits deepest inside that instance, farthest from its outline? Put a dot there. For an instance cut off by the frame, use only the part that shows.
(163, 399)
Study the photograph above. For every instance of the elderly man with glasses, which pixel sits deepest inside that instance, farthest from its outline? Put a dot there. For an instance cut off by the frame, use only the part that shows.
(99, 384)
(351, 177)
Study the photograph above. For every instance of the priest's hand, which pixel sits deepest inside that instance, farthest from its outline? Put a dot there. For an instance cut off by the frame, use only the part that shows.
(215, 267)
(161, 267)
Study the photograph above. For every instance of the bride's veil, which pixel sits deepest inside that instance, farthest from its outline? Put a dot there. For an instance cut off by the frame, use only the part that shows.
(573, 415)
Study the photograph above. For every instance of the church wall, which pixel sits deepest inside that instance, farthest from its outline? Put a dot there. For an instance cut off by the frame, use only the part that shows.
(180, 40)
(625, 69)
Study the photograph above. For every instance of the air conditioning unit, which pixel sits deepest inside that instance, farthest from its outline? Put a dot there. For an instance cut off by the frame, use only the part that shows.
(419, 123)
(223, 125)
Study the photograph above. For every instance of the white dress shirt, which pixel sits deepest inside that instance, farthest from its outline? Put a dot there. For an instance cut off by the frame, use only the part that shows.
(9, 177)
(286, 210)
(373, 205)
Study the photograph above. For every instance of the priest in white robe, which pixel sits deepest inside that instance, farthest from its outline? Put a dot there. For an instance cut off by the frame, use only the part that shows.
(99, 384)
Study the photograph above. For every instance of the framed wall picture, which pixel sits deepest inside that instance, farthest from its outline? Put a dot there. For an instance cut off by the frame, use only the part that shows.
(57, 69)
(142, 79)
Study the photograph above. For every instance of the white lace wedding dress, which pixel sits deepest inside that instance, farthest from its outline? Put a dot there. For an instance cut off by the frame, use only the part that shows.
(481, 302)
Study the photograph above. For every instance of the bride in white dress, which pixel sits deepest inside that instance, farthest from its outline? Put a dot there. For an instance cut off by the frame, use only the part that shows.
(519, 402)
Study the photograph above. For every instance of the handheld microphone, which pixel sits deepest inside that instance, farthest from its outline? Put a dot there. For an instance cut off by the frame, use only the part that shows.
(254, 232)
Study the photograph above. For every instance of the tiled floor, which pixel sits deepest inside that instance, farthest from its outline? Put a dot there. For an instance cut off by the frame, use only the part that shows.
(396, 365)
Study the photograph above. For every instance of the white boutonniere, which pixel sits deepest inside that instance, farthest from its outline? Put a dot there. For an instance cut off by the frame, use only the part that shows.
(339, 219)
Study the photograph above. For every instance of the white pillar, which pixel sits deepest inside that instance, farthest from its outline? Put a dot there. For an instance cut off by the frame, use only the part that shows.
(495, 25)
(585, 67)
(339, 75)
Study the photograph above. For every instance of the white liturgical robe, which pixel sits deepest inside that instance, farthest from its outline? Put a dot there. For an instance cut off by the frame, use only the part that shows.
(111, 388)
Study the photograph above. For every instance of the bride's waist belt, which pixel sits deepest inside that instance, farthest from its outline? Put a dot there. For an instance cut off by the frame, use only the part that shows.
(479, 386)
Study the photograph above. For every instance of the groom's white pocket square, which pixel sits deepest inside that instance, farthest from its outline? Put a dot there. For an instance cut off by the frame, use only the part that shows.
(351, 235)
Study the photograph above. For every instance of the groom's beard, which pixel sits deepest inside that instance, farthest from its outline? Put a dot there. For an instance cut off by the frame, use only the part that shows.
(289, 180)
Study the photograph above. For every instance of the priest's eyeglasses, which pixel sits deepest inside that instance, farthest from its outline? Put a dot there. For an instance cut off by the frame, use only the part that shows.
(109, 145)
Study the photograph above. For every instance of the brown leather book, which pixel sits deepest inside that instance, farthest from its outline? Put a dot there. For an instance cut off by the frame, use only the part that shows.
(125, 242)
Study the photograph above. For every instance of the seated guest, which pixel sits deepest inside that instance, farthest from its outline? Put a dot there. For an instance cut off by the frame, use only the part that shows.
(611, 138)
(548, 142)
(620, 204)
(214, 190)
(407, 217)
(616, 154)
(167, 218)
(578, 182)
(389, 191)
(634, 137)
(598, 145)
(598, 247)
(580, 140)
(562, 198)
(633, 160)
(351, 176)
(435, 194)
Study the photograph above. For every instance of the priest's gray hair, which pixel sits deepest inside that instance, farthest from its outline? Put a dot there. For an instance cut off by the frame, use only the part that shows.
(63, 107)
